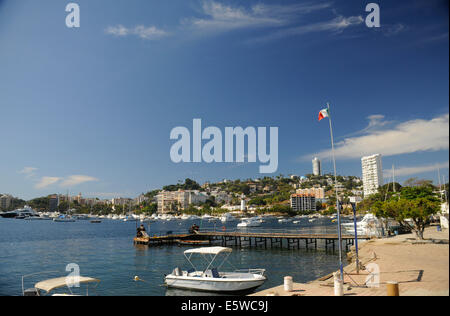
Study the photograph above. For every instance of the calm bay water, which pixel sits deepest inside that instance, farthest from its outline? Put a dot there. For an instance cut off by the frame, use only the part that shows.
(106, 251)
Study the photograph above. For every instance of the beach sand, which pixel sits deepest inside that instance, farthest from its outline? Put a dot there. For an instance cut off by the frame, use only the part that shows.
(420, 268)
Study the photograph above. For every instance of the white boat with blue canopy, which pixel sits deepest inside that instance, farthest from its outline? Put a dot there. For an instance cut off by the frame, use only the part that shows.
(210, 279)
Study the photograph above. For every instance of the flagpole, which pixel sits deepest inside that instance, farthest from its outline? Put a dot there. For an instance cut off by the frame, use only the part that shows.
(337, 196)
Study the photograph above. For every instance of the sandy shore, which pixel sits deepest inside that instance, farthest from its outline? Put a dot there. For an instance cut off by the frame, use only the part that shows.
(421, 269)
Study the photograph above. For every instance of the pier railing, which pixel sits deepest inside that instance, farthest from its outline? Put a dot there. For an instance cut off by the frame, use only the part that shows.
(302, 231)
(263, 237)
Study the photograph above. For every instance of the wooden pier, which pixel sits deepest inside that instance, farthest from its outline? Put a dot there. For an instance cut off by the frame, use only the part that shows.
(264, 240)
(278, 240)
(162, 240)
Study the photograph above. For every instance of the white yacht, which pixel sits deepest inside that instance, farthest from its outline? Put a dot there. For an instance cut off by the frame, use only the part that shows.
(368, 226)
(22, 213)
(210, 279)
(249, 222)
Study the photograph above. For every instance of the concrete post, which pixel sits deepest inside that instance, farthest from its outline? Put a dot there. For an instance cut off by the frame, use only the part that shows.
(338, 284)
(288, 284)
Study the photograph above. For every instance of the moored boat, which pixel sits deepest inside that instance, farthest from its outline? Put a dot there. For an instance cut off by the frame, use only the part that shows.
(64, 219)
(210, 279)
(249, 222)
(20, 213)
(53, 287)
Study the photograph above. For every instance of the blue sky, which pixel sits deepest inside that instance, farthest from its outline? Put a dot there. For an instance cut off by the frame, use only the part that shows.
(90, 110)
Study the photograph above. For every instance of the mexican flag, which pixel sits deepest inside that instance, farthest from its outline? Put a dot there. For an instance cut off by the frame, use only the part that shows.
(323, 114)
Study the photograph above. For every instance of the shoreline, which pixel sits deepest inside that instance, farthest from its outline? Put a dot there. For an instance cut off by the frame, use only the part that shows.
(420, 267)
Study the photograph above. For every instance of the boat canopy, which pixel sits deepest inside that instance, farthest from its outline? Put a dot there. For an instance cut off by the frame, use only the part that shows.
(52, 284)
(209, 250)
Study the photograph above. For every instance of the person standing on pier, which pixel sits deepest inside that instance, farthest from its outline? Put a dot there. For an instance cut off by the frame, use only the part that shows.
(141, 232)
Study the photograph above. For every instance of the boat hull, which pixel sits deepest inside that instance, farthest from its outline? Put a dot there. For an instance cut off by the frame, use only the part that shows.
(212, 285)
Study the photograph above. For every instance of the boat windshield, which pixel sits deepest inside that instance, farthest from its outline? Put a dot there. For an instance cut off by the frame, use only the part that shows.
(209, 254)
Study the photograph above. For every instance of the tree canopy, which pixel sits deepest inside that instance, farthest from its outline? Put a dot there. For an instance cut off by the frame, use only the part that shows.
(412, 206)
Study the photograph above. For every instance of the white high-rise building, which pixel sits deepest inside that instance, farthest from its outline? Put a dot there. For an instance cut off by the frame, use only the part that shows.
(243, 205)
(317, 170)
(372, 172)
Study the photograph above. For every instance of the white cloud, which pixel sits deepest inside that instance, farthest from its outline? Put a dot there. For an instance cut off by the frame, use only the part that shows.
(144, 32)
(46, 181)
(392, 30)
(220, 17)
(407, 171)
(336, 25)
(73, 180)
(407, 137)
(76, 180)
(28, 171)
(436, 38)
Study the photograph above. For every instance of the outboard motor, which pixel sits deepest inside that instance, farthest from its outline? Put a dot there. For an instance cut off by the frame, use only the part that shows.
(31, 292)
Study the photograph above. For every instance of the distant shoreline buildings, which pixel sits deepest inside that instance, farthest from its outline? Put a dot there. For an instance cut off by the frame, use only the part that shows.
(303, 203)
(306, 193)
(170, 201)
(57, 199)
(5, 201)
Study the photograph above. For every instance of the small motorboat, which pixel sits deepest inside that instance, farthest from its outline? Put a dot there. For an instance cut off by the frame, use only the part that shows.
(210, 279)
(250, 222)
(38, 218)
(64, 219)
(82, 217)
(96, 221)
(227, 217)
(53, 287)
